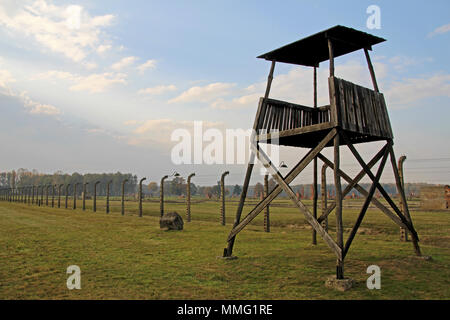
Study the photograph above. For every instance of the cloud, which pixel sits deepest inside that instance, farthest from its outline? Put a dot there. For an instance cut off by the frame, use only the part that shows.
(5, 79)
(93, 83)
(157, 132)
(123, 63)
(206, 93)
(158, 90)
(34, 107)
(406, 93)
(103, 48)
(68, 30)
(149, 64)
(440, 30)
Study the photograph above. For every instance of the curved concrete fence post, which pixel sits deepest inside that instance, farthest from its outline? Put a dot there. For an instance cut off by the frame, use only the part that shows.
(123, 196)
(161, 196)
(59, 195)
(84, 195)
(66, 202)
(401, 160)
(222, 192)
(140, 196)
(188, 197)
(108, 186)
(75, 195)
(94, 207)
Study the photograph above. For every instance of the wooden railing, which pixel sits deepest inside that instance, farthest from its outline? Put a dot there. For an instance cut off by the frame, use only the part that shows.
(279, 115)
(358, 109)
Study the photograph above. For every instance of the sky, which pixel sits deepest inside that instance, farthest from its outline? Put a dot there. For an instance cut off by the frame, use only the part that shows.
(100, 86)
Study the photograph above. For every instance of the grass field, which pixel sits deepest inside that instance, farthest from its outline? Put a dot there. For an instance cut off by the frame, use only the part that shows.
(128, 257)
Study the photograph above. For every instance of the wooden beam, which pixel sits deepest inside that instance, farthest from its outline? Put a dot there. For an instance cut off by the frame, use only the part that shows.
(351, 182)
(331, 56)
(338, 212)
(277, 190)
(380, 187)
(299, 204)
(361, 190)
(372, 72)
(366, 204)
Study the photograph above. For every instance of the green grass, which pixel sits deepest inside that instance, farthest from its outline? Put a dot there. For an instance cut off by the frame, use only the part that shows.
(128, 257)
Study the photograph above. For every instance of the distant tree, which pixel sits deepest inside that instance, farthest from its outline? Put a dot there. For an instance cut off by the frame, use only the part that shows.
(153, 188)
(237, 190)
(259, 190)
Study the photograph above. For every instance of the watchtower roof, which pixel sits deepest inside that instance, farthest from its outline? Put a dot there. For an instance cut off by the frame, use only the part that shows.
(312, 50)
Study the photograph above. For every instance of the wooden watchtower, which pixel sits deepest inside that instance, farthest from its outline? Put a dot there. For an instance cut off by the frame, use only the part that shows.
(354, 115)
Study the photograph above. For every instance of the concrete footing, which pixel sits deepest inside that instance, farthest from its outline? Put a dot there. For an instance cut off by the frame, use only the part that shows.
(339, 284)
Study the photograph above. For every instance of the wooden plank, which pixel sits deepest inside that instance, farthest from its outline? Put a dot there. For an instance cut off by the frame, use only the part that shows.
(364, 192)
(358, 112)
(342, 104)
(297, 131)
(366, 204)
(338, 212)
(299, 204)
(333, 100)
(289, 177)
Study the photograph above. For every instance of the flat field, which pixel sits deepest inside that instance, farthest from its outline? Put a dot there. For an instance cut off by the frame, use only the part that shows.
(127, 257)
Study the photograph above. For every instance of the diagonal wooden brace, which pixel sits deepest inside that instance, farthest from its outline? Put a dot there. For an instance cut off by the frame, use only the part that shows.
(351, 182)
(277, 190)
(299, 204)
(380, 187)
(366, 203)
(364, 192)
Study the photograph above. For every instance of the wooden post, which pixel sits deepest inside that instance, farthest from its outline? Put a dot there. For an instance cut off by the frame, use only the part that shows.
(84, 195)
(161, 196)
(267, 211)
(94, 207)
(107, 195)
(188, 197)
(315, 196)
(140, 196)
(323, 186)
(123, 196)
(222, 191)
(403, 232)
(331, 56)
(372, 72)
(339, 226)
(67, 196)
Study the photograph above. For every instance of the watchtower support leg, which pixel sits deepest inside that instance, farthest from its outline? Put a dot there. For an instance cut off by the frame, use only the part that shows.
(338, 213)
